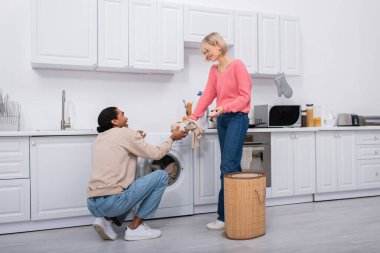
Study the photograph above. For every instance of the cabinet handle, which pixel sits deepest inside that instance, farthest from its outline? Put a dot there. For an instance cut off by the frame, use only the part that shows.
(33, 143)
(375, 137)
(376, 152)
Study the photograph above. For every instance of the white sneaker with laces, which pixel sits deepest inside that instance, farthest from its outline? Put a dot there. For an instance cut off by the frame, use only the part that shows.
(104, 229)
(142, 232)
(216, 225)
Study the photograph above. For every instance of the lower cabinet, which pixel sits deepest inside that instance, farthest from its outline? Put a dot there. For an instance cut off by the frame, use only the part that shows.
(60, 171)
(368, 159)
(336, 161)
(14, 179)
(15, 200)
(293, 163)
(207, 171)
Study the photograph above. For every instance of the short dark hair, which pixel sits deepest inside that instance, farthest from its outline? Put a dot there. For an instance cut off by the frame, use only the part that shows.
(105, 118)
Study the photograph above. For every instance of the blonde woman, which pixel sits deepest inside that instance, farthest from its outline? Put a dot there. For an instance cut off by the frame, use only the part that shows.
(230, 83)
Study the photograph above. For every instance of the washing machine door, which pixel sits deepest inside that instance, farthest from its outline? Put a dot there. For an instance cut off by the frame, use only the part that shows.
(168, 163)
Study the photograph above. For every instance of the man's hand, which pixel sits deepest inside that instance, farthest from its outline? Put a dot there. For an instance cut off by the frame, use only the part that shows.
(177, 134)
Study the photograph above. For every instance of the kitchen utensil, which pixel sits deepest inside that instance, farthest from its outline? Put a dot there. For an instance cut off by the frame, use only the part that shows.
(188, 108)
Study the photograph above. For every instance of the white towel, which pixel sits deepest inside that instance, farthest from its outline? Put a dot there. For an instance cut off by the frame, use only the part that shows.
(193, 126)
(246, 158)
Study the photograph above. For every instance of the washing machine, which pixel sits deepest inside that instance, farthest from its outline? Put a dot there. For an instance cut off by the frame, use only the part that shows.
(177, 199)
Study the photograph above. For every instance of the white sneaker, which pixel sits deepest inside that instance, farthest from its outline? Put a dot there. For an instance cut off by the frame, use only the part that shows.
(216, 225)
(104, 229)
(142, 232)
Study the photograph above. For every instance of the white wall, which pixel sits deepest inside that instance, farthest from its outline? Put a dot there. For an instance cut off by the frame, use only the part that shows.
(340, 40)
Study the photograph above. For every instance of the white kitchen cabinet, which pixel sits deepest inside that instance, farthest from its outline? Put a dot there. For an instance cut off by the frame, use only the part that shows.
(207, 171)
(113, 35)
(368, 159)
(246, 48)
(293, 163)
(200, 21)
(170, 47)
(143, 34)
(14, 157)
(336, 161)
(15, 200)
(14, 179)
(155, 36)
(290, 45)
(64, 34)
(269, 43)
(60, 171)
(140, 36)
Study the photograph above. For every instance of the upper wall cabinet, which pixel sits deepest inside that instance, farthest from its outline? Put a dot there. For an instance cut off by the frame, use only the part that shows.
(290, 45)
(155, 35)
(268, 44)
(200, 21)
(64, 34)
(246, 48)
(113, 35)
(140, 36)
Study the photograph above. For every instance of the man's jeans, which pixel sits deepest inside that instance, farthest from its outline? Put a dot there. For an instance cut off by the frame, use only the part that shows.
(232, 128)
(148, 190)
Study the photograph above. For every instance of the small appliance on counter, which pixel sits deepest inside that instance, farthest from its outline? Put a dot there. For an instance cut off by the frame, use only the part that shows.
(277, 115)
(346, 119)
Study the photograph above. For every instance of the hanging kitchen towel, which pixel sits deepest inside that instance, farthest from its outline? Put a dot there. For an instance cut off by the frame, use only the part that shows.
(246, 158)
(193, 126)
(283, 88)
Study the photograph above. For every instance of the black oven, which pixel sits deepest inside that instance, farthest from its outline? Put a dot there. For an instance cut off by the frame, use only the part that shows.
(256, 155)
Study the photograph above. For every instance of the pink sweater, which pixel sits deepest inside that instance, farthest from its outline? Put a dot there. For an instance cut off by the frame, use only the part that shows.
(232, 90)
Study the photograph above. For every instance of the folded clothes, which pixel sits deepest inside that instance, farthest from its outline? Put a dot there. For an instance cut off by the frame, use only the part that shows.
(193, 126)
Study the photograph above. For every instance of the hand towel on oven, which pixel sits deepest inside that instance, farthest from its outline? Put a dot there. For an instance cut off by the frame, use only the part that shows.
(193, 126)
(246, 158)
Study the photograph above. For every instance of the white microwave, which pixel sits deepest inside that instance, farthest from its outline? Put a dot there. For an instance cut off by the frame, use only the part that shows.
(277, 115)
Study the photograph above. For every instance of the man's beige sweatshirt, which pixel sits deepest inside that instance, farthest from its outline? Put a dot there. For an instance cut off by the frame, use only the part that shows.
(115, 158)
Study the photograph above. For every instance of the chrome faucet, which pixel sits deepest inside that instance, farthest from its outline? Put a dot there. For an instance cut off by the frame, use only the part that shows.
(64, 124)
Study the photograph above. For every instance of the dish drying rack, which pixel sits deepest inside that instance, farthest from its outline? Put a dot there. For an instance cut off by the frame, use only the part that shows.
(10, 116)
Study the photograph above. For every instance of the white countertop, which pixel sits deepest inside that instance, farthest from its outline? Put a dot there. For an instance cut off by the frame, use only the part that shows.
(303, 129)
(49, 132)
(73, 132)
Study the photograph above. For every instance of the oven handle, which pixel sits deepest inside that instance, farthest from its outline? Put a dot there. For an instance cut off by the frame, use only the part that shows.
(256, 148)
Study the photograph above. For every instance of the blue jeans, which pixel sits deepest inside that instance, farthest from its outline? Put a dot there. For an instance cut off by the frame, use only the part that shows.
(232, 128)
(148, 190)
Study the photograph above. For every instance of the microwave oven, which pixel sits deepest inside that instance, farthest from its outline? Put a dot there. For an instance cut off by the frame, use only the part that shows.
(277, 115)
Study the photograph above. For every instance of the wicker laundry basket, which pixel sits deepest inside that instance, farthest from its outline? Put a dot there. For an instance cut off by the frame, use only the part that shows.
(244, 205)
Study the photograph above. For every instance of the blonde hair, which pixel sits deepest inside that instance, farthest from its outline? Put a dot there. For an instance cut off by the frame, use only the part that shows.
(213, 39)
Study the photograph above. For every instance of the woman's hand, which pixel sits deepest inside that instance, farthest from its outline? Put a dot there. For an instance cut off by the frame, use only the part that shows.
(216, 112)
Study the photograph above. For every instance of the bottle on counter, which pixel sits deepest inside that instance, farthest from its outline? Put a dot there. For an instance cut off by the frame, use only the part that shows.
(204, 119)
(309, 115)
(303, 117)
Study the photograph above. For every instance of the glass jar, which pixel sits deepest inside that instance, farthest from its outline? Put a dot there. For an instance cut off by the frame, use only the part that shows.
(317, 116)
(309, 115)
(303, 118)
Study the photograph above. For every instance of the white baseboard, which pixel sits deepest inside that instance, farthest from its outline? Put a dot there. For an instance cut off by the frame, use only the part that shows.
(14, 227)
(346, 194)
